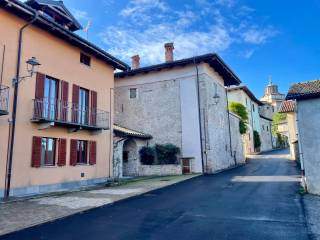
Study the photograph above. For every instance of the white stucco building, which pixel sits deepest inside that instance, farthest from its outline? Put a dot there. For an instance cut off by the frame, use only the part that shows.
(258, 119)
(307, 106)
(182, 102)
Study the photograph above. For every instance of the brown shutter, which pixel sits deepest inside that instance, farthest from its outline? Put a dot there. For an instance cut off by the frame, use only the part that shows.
(62, 152)
(39, 95)
(64, 101)
(92, 152)
(75, 103)
(73, 152)
(36, 152)
(93, 113)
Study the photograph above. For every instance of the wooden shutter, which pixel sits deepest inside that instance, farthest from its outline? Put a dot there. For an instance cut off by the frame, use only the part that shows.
(62, 152)
(73, 152)
(75, 103)
(64, 101)
(92, 152)
(36, 152)
(94, 97)
(39, 95)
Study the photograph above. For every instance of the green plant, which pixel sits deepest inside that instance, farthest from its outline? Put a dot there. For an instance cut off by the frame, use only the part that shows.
(276, 119)
(256, 139)
(167, 153)
(147, 155)
(241, 111)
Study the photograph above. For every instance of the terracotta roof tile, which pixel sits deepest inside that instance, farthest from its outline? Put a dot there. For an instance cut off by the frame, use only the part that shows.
(304, 90)
(287, 106)
(125, 132)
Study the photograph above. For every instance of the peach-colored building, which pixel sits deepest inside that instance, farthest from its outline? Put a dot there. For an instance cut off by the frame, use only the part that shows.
(61, 133)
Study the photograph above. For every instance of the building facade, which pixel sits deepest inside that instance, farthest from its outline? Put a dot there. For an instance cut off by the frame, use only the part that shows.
(60, 136)
(307, 104)
(184, 103)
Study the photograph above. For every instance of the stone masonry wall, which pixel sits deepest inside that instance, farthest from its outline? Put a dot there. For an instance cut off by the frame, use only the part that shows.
(215, 118)
(236, 140)
(155, 111)
(160, 170)
(265, 135)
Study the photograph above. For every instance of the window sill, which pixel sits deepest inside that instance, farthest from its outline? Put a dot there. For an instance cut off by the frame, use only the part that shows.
(48, 166)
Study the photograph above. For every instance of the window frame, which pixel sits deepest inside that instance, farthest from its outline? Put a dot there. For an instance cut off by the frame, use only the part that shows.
(85, 59)
(136, 93)
(85, 147)
(45, 162)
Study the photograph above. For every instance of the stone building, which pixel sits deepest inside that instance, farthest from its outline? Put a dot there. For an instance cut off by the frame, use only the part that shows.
(289, 108)
(307, 106)
(259, 119)
(182, 102)
(273, 96)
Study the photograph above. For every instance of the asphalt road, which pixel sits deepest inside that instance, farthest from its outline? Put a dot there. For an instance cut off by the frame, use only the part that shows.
(257, 201)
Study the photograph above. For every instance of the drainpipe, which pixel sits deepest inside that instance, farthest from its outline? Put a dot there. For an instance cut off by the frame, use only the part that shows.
(204, 171)
(300, 145)
(229, 126)
(14, 109)
(2, 64)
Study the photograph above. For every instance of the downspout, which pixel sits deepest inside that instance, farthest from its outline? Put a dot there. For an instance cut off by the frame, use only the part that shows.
(14, 108)
(204, 171)
(111, 131)
(300, 146)
(2, 64)
(229, 126)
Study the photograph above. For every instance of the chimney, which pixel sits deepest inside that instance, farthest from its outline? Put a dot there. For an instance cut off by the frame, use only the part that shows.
(135, 63)
(169, 52)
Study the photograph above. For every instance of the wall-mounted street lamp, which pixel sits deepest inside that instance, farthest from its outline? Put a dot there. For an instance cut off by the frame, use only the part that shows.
(216, 97)
(32, 67)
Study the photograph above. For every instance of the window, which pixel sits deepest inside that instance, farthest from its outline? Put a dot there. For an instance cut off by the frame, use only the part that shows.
(272, 108)
(125, 156)
(85, 59)
(83, 106)
(267, 129)
(48, 151)
(133, 93)
(50, 97)
(82, 150)
(263, 127)
(252, 107)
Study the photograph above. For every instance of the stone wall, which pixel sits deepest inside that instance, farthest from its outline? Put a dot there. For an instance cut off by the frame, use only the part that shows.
(155, 111)
(236, 140)
(160, 170)
(214, 115)
(265, 135)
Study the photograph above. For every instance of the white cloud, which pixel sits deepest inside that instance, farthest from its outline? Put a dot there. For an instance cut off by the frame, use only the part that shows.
(258, 36)
(209, 26)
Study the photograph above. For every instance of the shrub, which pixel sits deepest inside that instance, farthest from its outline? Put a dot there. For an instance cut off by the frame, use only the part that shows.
(241, 111)
(256, 139)
(147, 155)
(167, 153)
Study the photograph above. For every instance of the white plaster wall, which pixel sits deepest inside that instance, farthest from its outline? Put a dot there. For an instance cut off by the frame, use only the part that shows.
(308, 113)
(191, 145)
(237, 143)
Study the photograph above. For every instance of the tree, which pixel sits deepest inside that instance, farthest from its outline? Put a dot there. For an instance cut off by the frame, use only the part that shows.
(241, 111)
(256, 140)
(276, 119)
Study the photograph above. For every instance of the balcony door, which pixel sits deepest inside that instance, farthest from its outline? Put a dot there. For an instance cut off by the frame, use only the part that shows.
(50, 98)
(83, 106)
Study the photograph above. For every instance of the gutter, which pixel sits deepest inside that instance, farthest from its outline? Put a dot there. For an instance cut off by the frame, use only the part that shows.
(229, 126)
(14, 110)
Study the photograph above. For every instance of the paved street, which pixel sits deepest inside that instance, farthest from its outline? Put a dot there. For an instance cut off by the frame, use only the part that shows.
(257, 201)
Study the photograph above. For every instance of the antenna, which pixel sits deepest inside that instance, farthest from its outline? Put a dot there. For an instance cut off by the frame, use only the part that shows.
(86, 29)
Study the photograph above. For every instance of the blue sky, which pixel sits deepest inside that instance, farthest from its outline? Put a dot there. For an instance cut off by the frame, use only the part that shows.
(256, 38)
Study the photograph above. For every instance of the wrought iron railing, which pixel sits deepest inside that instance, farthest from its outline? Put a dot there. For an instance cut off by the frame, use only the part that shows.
(56, 110)
(4, 99)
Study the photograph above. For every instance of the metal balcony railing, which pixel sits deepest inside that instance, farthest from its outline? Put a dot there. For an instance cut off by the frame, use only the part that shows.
(69, 114)
(4, 100)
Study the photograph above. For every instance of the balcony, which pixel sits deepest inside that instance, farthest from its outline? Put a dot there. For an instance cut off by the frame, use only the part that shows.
(59, 113)
(4, 100)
